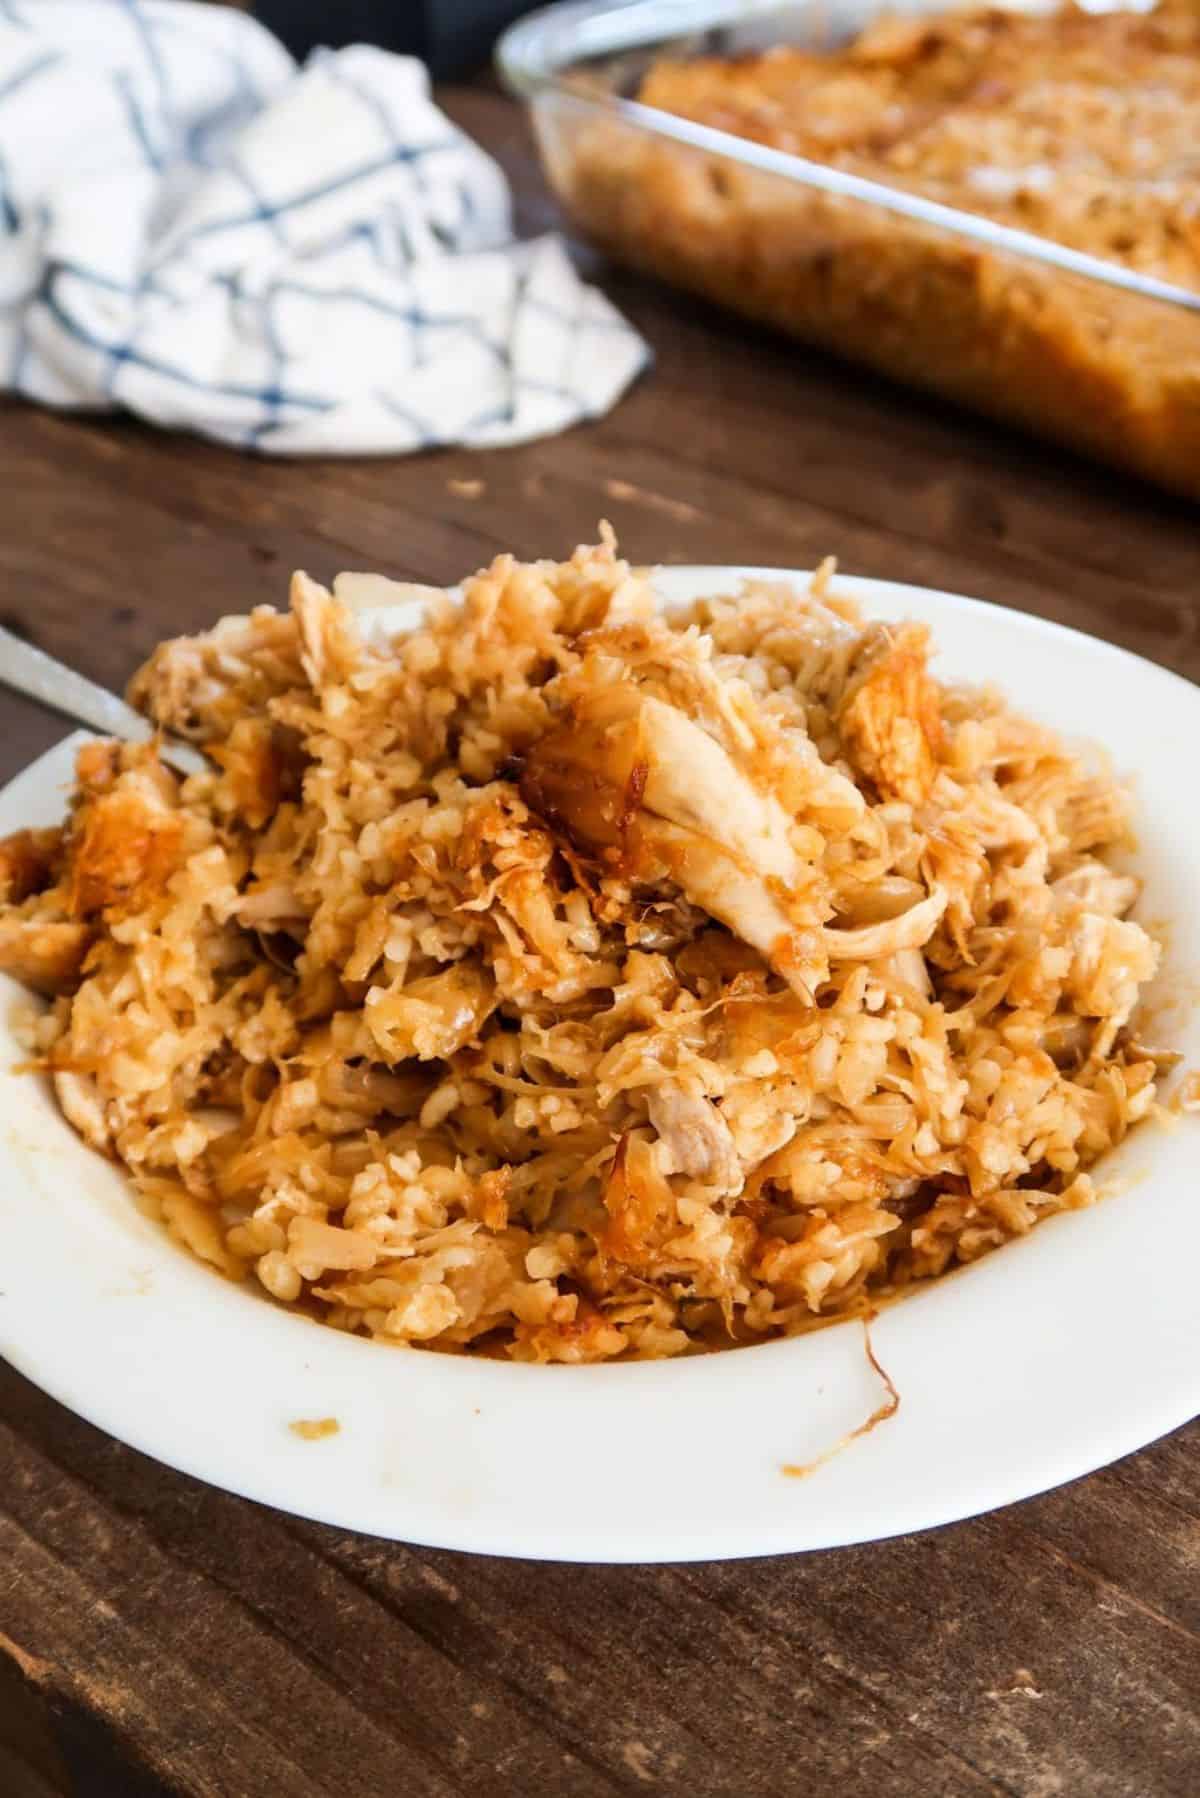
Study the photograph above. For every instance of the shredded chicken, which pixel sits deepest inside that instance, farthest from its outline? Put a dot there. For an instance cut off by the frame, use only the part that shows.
(655, 794)
(872, 942)
(889, 718)
(696, 1137)
(563, 981)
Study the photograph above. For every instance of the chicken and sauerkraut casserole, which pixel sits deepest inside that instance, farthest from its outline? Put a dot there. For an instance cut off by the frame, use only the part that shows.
(563, 980)
(1079, 124)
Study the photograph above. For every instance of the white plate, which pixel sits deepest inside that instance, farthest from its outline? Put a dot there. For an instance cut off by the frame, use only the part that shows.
(1049, 1358)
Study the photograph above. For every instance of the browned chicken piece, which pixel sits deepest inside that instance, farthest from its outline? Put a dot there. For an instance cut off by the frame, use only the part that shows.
(122, 845)
(631, 779)
(738, 897)
(330, 645)
(208, 688)
(889, 716)
(45, 954)
(126, 842)
(199, 687)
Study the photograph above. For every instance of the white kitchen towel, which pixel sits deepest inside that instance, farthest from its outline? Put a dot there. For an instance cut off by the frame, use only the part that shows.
(296, 260)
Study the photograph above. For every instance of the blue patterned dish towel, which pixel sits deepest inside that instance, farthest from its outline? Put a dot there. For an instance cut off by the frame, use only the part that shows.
(302, 261)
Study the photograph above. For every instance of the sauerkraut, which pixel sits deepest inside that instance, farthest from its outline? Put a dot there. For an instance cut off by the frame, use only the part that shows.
(564, 979)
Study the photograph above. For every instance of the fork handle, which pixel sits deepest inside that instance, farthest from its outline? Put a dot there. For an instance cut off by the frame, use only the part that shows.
(41, 677)
(33, 672)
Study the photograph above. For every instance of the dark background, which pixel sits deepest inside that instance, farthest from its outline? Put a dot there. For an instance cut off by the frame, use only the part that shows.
(453, 36)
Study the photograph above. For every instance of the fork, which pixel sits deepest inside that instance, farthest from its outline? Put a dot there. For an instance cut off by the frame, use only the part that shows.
(40, 676)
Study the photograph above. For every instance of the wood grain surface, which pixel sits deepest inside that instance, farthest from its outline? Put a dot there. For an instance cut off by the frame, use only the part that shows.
(157, 1636)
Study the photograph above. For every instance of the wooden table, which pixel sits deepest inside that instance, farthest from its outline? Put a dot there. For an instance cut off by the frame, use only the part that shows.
(158, 1636)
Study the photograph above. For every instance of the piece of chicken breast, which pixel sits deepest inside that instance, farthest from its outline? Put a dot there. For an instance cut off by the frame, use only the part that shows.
(635, 781)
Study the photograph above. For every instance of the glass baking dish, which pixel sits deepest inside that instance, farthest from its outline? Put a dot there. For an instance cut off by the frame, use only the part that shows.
(1085, 351)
